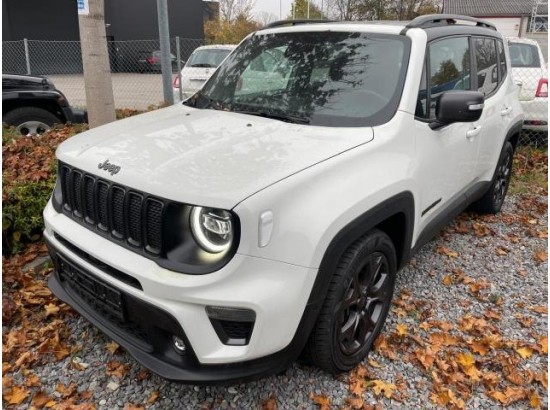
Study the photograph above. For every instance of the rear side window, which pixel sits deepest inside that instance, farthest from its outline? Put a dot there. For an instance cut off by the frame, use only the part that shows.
(524, 55)
(501, 59)
(486, 63)
(449, 67)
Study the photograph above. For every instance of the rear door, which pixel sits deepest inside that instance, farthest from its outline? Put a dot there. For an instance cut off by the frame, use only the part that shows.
(491, 72)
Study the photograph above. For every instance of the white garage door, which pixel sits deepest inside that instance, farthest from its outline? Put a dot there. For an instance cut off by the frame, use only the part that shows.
(507, 26)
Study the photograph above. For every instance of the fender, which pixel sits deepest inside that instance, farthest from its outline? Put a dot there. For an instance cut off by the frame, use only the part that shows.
(513, 133)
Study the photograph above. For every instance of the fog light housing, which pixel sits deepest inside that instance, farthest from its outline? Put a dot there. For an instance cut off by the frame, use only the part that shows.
(179, 344)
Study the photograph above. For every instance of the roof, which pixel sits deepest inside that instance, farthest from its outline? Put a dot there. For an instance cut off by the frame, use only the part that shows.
(218, 47)
(491, 8)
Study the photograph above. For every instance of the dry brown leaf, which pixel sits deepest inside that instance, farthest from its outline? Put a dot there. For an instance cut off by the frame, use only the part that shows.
(113, 347)
(42, 399)
(402, 329)
(270, 404)
(543, 343)
(447, 280)
(153, 397)
(117, 369)
(51, 309)
(379, 387)
(131, 406)
(525, 352)
(374, 363)
(320, 400)
(443, 250)
(16, 395)
(543, 310)
(534, 400)
(541, 255)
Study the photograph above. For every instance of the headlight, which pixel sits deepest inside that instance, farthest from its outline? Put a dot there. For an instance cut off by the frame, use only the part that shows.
(212, 228)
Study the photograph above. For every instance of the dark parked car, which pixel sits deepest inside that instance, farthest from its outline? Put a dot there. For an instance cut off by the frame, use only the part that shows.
(33, 105)
(149, 61)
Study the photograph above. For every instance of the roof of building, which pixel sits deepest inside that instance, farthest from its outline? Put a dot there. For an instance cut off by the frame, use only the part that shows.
(491, 8)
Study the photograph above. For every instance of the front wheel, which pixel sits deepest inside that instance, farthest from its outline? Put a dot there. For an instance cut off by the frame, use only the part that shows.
(356, 306)
(492, 201)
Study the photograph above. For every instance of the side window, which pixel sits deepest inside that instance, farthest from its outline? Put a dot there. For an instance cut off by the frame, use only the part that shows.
(486, 63)
(449, 68)
(501, 59)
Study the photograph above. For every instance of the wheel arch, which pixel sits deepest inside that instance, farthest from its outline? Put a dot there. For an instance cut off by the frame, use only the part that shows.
(513, 134)
(49, 105)
(394, 216)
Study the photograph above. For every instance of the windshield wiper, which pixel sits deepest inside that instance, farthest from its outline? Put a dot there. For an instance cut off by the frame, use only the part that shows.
(296, 119)
(202, 65)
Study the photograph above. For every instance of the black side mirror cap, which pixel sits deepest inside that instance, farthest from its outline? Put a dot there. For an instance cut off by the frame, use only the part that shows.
(458, 106)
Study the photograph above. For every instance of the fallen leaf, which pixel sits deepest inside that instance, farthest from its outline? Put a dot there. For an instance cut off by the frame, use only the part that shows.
(355, 402)
(446, 251)
(117, 369)
(541, 255)
(321, 400)
(543, 343)
(539, 309)
(402, 329)
(374, 363)
(534, 400)
(112, 347)
(447, 280)
(41, 399)
(270, 404)
(525, 352)
(153, 397)
(51, 309)
(379, 387)
(16, 395)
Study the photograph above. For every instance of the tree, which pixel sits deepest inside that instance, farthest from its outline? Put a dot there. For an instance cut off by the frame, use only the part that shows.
(381, 9)
(95, 61)
(230, 10)
(264, 18)
(300, 10)
(228, 32)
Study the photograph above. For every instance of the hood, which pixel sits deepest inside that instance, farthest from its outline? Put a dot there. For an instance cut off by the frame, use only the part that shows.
(19, 82)
(204, 157)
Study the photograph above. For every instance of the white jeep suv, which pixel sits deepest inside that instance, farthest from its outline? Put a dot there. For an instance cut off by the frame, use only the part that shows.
(218, 239)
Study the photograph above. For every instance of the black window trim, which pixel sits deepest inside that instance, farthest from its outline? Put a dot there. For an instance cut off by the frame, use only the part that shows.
(500, 80)
(473, 68)
(429, 74)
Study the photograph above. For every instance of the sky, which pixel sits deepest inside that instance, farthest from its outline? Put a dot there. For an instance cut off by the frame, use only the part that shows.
(272, 6)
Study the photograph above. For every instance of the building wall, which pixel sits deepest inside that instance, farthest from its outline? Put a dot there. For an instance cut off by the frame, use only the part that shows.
(127, 19)
(507, 26)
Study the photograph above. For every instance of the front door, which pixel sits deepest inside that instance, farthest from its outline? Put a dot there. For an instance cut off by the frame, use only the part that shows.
(446, 156)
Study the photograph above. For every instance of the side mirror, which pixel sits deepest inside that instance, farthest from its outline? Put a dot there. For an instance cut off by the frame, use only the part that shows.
(457, 106)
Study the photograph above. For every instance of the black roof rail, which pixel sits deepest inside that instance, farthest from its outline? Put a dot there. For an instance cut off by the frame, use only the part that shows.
(282, 23)
(431, 20)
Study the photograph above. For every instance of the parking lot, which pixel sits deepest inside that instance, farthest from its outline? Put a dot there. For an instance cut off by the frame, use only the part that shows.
(131, 90)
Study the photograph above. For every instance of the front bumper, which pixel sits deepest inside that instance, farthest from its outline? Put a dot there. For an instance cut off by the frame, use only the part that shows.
(277, 292)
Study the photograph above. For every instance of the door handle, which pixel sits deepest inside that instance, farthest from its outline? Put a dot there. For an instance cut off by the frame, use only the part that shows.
(506, 111)
(473, 132)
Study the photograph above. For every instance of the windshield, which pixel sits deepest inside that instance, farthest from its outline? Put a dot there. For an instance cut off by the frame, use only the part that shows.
(320, 78)
(207, 58)
(524, 55)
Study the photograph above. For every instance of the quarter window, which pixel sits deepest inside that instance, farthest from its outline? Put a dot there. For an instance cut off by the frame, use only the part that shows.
(486, 63)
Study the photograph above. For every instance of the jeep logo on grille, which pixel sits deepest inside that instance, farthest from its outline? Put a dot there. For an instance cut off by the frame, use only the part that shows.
(110, 168)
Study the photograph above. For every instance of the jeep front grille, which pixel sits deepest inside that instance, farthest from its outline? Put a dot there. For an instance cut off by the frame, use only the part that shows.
(113, 210)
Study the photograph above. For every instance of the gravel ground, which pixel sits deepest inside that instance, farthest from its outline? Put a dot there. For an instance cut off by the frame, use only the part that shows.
(516, 281)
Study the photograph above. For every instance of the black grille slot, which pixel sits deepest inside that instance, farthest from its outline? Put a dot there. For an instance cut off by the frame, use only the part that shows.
(89, 196)
(115, 210)
(117, 200)
(77, 193)
(153, 216)
(134, 219)
(102, 197)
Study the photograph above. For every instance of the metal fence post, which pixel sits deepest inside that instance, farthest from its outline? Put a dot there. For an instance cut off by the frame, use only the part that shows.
(27, 58)
(178, 57)
(166, 60)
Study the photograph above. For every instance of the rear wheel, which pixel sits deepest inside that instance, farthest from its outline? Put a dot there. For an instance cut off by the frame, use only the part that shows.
(31, 121)
(356, 306)
(492, 201)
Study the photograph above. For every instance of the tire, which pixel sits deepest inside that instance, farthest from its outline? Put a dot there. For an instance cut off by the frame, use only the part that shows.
(491, 202)
(370, 266)
(31, 120)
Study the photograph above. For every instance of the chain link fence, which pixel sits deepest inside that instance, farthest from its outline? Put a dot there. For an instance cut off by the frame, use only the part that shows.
(137, 81)
(135, 67)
